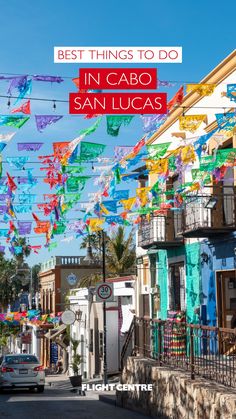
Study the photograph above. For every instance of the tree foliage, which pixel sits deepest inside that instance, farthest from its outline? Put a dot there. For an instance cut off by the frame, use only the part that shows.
(9, 285)
(120, 253)
(21, 241)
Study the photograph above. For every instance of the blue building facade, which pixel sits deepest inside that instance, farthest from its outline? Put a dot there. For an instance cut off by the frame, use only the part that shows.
(218, 278)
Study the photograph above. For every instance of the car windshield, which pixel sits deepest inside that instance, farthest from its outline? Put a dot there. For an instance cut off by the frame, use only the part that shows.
(21, 359)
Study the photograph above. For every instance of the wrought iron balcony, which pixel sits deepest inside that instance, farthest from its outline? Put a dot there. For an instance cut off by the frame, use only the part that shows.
(161, 232)
(209, 215)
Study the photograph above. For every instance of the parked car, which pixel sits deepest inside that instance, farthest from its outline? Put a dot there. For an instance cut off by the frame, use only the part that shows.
(21, 370)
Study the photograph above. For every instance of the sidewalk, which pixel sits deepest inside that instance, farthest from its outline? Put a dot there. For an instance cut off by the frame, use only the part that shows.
(63, 381)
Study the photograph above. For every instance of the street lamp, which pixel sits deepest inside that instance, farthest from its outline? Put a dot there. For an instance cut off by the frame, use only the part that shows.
(90, 259)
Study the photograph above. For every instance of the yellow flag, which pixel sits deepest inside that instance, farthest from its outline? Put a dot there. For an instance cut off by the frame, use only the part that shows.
(104, 209)
(188, 154)
(191, 122)
(157, 166)
(203, 89)
(95, 224)
(128, 203)
(142, 194)
(194, 187)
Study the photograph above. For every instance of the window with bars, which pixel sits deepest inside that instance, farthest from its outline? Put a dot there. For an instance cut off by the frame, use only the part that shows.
(177, 287)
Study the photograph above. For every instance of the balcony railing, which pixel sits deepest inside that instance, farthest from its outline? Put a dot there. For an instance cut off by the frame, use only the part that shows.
(199, 220)
(204, 351)
(62, 261)
(161, 231)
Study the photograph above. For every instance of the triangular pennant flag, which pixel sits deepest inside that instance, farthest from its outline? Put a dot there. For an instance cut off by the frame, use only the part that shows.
(42, 121)
(24, 108)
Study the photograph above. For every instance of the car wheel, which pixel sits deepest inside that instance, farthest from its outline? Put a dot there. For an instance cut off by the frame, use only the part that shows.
(40, 389)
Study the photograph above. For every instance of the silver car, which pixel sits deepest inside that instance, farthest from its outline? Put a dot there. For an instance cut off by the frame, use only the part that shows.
(21, 370)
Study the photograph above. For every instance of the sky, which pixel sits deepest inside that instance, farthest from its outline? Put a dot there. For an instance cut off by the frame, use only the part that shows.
(29, 31)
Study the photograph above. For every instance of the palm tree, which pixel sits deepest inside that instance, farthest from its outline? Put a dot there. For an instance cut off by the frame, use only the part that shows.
(120, 253)
(35, 279)
(21, 241)
(94, 240)
(9, 284)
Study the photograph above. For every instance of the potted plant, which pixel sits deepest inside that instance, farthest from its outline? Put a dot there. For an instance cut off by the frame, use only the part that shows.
(75, 379)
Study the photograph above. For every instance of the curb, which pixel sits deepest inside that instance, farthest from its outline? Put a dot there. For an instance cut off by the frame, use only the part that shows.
(110, 399)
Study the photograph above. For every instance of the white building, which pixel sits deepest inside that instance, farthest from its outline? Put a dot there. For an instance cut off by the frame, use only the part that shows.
(88, 328)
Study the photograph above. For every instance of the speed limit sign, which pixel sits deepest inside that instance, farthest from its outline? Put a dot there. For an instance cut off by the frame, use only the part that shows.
(104, 292)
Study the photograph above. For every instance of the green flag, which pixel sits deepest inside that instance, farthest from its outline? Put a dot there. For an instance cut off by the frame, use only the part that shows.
(114, 123)
(91, 129)
(156, 151)
(90, 151)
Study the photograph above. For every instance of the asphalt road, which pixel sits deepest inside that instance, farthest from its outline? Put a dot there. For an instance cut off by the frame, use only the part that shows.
(59, 404)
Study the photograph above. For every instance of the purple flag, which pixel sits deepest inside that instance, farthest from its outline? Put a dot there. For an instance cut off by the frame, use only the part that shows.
(43, 120)
(3, 209)
(24, 227)
(18, 82)
(2, 249)
(29, 146)
(166, 83)
(4, 196)
(151, 123)
(51, 79)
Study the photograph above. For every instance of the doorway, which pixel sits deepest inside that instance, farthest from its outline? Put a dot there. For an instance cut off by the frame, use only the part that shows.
(226, 298)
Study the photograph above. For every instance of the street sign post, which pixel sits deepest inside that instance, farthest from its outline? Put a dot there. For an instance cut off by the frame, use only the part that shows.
(104, 292)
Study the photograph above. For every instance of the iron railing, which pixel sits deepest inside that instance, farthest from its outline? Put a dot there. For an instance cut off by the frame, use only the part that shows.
(161, 230)
(128, 347)
(208, 352)
(198, 214)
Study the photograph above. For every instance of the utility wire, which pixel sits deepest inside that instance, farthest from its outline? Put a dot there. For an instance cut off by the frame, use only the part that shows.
(73, 77)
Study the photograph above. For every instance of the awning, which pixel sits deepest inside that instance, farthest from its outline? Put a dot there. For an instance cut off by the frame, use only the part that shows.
(55, 332)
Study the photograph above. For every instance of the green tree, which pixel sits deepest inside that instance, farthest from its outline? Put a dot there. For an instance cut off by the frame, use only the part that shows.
(35, 278)
(95, 241)
(10, 286)
(21, 241)
(120, 253)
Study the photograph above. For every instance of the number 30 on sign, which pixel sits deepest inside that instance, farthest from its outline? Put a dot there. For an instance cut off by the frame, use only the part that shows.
(104, 292)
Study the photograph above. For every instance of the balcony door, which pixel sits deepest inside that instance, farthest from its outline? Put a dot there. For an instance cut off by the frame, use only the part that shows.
(176, 287)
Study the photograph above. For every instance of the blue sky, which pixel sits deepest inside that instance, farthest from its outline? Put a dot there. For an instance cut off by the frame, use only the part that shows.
(29, 31)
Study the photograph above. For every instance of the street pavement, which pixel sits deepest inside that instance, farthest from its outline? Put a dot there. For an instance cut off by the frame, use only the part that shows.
(60, 403)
